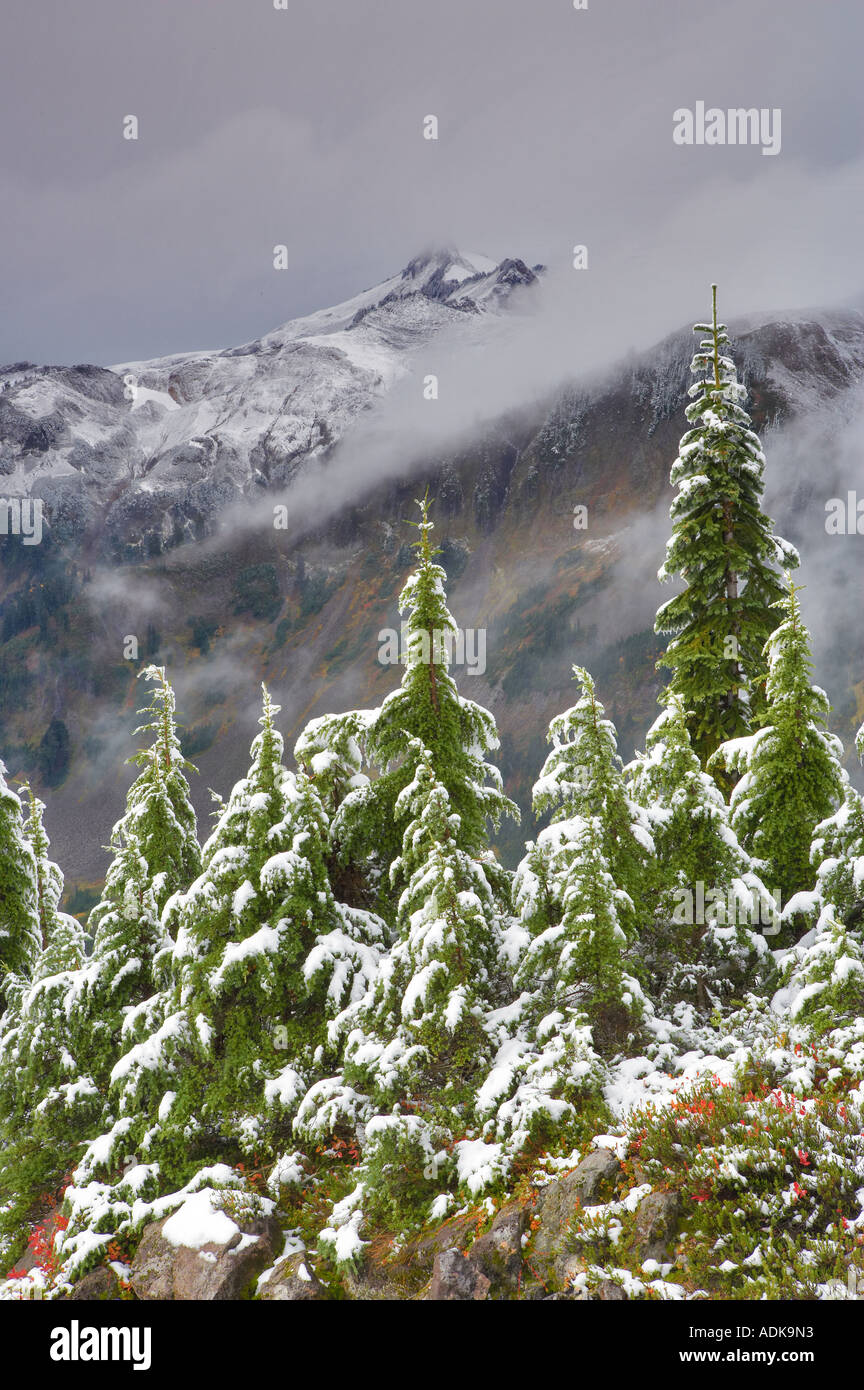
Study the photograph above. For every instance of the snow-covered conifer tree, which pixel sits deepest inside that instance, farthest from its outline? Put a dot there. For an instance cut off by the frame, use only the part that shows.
(420, 1041)
(422, 1033)
(579, 894)
(426, 711)
(583, 777)
(790, 776)
(263, 953)
(822, 979)
(837, 856)
(570, 971)
(572, 891)
(580, 960)
(155, 854)
(46, 1103)
(62, 936)
(724, 549)
(163, 820)
(20, 930)
(708, 903)
(329, 752)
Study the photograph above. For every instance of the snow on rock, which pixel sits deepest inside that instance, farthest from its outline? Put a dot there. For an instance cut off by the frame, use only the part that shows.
(197, 1222)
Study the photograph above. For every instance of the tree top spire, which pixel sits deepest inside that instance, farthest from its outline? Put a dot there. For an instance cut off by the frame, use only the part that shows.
(714, 334)
(424, 526)
(269, 710)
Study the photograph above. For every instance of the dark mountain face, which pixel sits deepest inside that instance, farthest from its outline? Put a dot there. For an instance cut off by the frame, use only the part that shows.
(551, 522)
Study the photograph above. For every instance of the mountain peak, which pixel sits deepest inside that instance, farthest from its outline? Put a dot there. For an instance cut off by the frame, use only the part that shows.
(438, 271)
(449, 262)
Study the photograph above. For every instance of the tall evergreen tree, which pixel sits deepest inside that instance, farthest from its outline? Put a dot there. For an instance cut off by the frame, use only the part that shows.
(263, 955)
(426, 711)
(703, 894)
(579, 962)
(62, 936)
(420, 1033)
(155, 854)
(790, 775)
(724, 549)
(46, 1102)
(418, 1042)
(163, 820)
(20, 929)
(572, 892)
(583, 776)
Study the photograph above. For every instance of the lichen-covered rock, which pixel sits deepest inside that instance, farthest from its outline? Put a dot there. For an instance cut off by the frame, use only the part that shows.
(100, 1284)
(152, 1273)
(163, 1270)
(456, 1279)
(587, 1185)
(610, 1292)
(293, 1280)
(656, 1224)
(498, 1253)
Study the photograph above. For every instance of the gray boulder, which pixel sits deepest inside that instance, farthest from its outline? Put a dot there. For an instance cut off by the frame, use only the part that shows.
(656, 1224)
(610, 1292)
(588, 1185)
(161, 1270)
(456, 1280)
(100, 1284)
(292, 1281)
(498, 1253)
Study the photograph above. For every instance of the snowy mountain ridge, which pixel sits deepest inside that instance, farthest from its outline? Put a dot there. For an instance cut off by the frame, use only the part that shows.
(160, 447)
(147, 454)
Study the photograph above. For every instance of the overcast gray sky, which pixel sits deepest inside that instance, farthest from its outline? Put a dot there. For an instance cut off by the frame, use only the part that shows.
(303, 126)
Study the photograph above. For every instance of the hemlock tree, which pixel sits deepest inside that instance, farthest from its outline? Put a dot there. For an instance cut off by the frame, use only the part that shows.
(426, 711)
(164, 823)
(418, 1042)
(536, 900)
(571, 893)
(20, 931)
(579, 962)
(329, 752)
(46, 1104)
(837, 856)
(263, 953)
(577, 998)
(421, 1033)
(156, 853)
(724, 549)
(705, 895)
(49, 879)
(545, 1068)
(583, 777)
(822, 980)
(790, 777)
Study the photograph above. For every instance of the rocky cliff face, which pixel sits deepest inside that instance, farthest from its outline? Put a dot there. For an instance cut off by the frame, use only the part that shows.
(139, 467)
